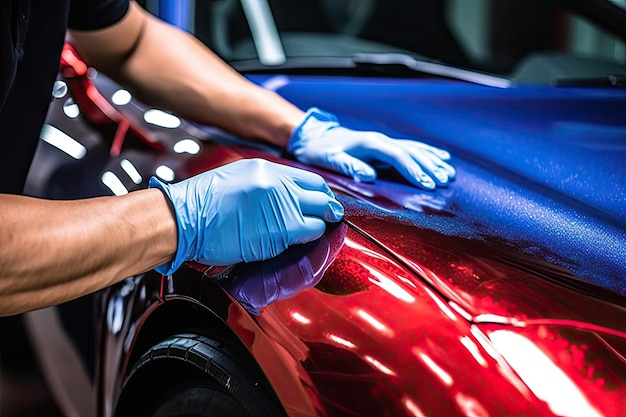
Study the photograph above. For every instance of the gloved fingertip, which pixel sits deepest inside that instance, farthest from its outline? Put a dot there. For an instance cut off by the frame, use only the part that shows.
(363, 173)
(451, 172)
(441, 175)
(427, 182)
(335, 213)
(361, 177)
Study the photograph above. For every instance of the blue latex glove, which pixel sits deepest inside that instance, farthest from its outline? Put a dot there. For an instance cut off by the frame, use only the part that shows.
(321, 141)
(249, 210)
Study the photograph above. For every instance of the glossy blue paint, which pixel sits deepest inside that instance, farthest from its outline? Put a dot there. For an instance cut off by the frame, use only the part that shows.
(540, 168)
(176, 12)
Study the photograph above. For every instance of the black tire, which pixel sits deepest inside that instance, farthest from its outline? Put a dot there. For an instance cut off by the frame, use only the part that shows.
(193, 376)
(199, 399)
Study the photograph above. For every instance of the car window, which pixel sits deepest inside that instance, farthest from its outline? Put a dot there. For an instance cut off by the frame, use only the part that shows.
(527, 40)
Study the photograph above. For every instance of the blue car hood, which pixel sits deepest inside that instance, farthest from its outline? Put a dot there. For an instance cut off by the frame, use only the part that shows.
(541, 168)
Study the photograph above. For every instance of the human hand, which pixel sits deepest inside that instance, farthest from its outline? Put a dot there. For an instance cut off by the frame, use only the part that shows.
(249, 210)
(321, 141)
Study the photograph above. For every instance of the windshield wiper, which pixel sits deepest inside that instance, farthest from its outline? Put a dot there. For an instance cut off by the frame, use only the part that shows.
(381, 60)
(371, 64)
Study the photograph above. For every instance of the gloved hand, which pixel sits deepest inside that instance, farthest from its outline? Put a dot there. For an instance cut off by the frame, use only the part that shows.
(249, 210)
(320, 140)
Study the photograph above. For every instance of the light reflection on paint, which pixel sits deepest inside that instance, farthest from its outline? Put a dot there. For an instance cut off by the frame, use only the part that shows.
(113, 182)
(276, 82)
(71, 109)
(62, 141)
(375, 323)
(132, 172)
(187, 145)
(442, 305)
(412, 407)
(406, 281)
(470, 406)
(461, 311)
(165, 173)
(503, 366)
(378, 365)
(130, 337)
(472, 348)
(115, 314)
(363, 250)
(436, 369)
(59, 89)
(494, 318)
(121, 97)
(546, 380)
(162, 119)
(340, 341)
(381, 280)
(300, 318)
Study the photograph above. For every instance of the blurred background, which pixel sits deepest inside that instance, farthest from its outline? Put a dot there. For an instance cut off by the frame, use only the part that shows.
(489, 35)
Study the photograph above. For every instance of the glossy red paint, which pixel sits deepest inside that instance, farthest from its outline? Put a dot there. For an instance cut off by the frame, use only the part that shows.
(576, 371)
(494, 283)
(370, 327)
(578, 334)
(370, 339)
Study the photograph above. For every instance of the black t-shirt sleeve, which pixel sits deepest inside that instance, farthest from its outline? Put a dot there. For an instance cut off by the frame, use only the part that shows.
(96, 14)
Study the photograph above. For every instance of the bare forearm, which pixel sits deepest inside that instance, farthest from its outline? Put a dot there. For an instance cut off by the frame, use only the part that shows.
(197, 84)
(172, 69)
(55, 251)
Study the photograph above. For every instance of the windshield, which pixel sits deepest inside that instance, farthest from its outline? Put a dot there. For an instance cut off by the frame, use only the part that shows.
(526, 40)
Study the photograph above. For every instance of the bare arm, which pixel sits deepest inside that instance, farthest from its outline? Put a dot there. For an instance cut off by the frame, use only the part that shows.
(56, 251)
(170, 68)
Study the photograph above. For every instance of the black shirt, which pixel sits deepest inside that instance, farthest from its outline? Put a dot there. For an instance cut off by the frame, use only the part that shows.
(32, 33)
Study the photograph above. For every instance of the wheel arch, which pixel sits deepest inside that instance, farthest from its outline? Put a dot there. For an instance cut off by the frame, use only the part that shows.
(175, 317)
